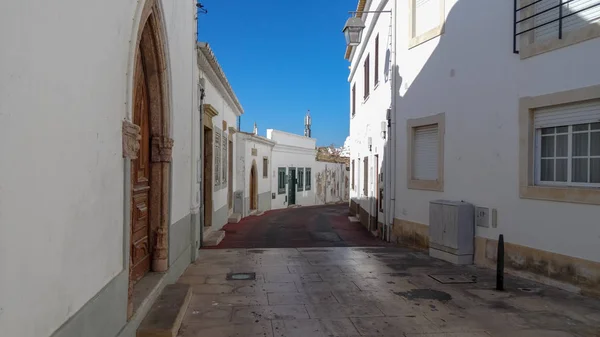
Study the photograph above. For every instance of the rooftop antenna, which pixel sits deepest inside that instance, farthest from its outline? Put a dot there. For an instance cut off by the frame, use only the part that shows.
(307, 124)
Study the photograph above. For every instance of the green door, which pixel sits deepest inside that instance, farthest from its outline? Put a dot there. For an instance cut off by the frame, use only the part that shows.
(292, 186)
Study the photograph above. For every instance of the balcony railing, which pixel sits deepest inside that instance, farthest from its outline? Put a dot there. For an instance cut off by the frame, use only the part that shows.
(520, 17)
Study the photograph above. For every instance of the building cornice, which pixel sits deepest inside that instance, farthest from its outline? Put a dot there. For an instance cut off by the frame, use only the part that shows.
(207, 59)
(258, 139)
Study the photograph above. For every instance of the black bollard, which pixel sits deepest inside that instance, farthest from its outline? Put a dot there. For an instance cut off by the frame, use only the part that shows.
(500, 264)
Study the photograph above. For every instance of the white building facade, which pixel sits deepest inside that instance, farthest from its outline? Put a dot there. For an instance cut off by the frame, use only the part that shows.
(221, 110)
(514, 132)
(298, 178)
(99, 123)
(253, 188)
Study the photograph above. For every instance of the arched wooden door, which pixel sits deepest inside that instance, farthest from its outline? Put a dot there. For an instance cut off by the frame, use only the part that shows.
(141, 248)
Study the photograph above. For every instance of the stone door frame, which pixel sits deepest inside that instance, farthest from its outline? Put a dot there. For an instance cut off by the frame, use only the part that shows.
(150, 43)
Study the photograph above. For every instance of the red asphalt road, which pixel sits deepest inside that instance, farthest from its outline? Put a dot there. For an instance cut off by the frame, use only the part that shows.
(316, 226)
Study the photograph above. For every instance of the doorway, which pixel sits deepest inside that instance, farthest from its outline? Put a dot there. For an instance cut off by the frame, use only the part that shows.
(376, 192)
(292, 186)
(230, 176)
(208, 177)
(253, 187)
(151, 165)
(141, 247)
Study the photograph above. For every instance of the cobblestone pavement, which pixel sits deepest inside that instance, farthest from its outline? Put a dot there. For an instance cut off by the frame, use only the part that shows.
(376, 291)
(317, 226)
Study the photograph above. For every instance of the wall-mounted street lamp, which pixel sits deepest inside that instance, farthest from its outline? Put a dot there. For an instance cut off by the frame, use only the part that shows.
(354, 27)
(353, 31)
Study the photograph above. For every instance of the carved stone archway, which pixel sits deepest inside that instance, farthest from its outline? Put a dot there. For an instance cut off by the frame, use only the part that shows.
(151, 57)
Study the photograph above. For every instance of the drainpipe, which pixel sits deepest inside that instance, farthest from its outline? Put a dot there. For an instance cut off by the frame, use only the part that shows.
(392, 131)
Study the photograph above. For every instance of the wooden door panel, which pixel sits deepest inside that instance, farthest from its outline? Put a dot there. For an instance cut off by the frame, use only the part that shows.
(140, 180)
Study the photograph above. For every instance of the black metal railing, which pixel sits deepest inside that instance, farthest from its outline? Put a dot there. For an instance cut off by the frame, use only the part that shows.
(518, 13)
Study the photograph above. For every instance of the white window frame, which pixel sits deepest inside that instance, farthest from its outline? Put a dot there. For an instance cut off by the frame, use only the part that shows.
(570, 133)
(528, 189)
(412, 125)
(415, 40)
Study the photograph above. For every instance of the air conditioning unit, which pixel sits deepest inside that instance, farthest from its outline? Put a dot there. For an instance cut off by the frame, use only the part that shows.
(451, 231)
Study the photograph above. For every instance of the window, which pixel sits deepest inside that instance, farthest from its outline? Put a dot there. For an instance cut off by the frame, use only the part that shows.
(366, 79)
(308, 179)
(376, 74)
(426, 20)
(265, 167)
(224, 158)
(552, 25)
(217, 147)
(300, 179)
(353, 186)
(353, 99)
(366, 177)
(281, 180)
(559, 146)
(426, 161)
(568, 145)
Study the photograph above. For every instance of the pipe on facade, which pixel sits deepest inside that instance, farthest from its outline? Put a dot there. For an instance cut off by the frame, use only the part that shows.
(392, 140)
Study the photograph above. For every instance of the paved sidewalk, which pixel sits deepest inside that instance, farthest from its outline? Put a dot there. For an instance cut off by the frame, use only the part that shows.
(313, 226)
(378, 291)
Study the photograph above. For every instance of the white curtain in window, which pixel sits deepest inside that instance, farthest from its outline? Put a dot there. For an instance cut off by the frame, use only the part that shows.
(426, 150)
(427, 15)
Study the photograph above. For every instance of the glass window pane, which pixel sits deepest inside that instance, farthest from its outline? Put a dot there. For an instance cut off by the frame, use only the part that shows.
(562, 129)
(580, 144)
(595, 170)
(547, 170)
(581, 127)
(561, 169)
(547, 131)
(547, 146)
(595, 126)
(595, 144)
(562, 146)
(579, 171)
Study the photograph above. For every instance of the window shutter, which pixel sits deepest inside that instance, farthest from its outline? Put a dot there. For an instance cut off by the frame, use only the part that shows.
(583, 17)
(426, 150)
(427, 15)
(567, 114)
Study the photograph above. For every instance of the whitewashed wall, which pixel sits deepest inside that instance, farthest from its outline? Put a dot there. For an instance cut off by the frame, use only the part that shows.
(296, 151)
(370, 112)
(64, 74)
(470, 74)
(217, 98)
(331, 182)
(245, 159)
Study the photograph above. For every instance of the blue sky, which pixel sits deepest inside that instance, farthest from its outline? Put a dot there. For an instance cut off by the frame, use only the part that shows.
(283, 57)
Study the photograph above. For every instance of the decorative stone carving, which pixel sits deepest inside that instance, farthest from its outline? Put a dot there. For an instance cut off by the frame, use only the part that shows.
(161, 253)
(131, 139)
(162, 148)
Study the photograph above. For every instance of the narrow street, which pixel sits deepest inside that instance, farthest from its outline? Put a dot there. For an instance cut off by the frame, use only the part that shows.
(319, 226)
(334, 288)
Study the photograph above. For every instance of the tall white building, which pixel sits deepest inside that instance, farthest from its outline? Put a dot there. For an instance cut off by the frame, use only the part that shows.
(99, 126)
(490, 104)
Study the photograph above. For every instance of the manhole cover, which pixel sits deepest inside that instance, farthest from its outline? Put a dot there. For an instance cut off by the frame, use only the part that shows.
(449, 279)
(241, 276)
(325, 236)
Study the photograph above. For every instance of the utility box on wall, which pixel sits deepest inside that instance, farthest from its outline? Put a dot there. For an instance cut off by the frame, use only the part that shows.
(238, 202)
(451, 231)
